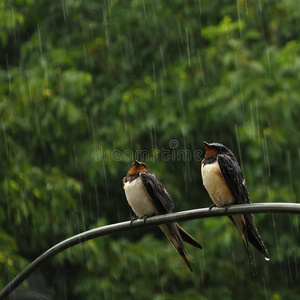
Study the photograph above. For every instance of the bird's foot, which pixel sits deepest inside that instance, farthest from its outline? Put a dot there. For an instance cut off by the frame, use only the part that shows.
(212, 206)
(226, 206)
(133, 219)
(146, 216)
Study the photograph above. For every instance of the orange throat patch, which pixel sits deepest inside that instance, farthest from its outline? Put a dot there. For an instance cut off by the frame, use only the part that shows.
(135, 169)
(210, 152)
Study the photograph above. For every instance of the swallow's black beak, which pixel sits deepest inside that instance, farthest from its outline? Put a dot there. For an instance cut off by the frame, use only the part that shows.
(137, 162)
(206, 144)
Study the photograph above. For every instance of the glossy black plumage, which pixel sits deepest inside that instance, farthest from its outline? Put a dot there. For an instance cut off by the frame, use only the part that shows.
(147, 196)
(157, 192)
(235, 181)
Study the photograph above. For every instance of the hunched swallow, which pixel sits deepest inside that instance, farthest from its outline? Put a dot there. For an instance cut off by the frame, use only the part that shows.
(225, 183)
(147, 197)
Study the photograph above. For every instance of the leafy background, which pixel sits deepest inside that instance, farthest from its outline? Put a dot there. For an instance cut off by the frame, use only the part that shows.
(82, 78)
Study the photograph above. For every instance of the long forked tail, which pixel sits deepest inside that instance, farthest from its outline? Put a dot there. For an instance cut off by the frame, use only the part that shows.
(188, 238)
(240, 224)
(254, 237)
(172, 233)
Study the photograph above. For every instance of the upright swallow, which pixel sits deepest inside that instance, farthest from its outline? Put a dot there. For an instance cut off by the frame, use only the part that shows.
(225, 183)
(147, 197)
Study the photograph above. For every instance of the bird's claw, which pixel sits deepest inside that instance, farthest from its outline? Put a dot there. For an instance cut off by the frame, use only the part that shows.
(212, 206)
(226, 207)
(144, 217)
(137, 218)
(133, 219)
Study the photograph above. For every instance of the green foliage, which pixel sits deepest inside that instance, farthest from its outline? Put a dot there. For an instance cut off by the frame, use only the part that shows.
(85, 85)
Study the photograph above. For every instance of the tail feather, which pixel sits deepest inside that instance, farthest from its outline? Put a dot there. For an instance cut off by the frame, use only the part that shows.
(172, 233)
(240, 224)
(254, 237)
(251, 233)
(188, 238)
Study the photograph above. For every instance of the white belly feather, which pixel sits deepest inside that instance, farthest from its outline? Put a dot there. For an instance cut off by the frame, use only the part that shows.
(139, 199)
(215, 184)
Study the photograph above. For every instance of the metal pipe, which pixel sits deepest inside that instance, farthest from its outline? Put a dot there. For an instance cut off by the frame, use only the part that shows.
(293, 208)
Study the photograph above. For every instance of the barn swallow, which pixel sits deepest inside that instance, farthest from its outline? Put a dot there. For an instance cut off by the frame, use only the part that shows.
(147, 197)
(225, 183)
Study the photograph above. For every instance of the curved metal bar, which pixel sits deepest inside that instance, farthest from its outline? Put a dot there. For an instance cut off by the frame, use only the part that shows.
(293, 208)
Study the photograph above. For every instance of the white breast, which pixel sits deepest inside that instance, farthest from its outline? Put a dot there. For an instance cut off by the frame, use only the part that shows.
(139, 199)
(215, 184)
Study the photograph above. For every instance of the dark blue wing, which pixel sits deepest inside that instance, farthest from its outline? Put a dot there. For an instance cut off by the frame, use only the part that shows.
(157, 193)
(234, 178)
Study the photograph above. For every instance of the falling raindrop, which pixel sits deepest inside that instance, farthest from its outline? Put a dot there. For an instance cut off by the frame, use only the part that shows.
(105, 178)
(275, 231)
(200, 7)
(269, 61)
(239, 18)
(144, 9)
(188, 45)
(163, 61)
(253, 123)
(266, 154)
(154, 79)
(40, 41)
(97, 200)
(239, 147)
(200, 65)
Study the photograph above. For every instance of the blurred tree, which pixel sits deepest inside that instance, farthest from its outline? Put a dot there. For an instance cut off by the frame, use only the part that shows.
(85, 85)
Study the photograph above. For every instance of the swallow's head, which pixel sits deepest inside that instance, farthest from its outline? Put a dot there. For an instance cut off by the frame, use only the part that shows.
(138, 167)
(214, 149)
